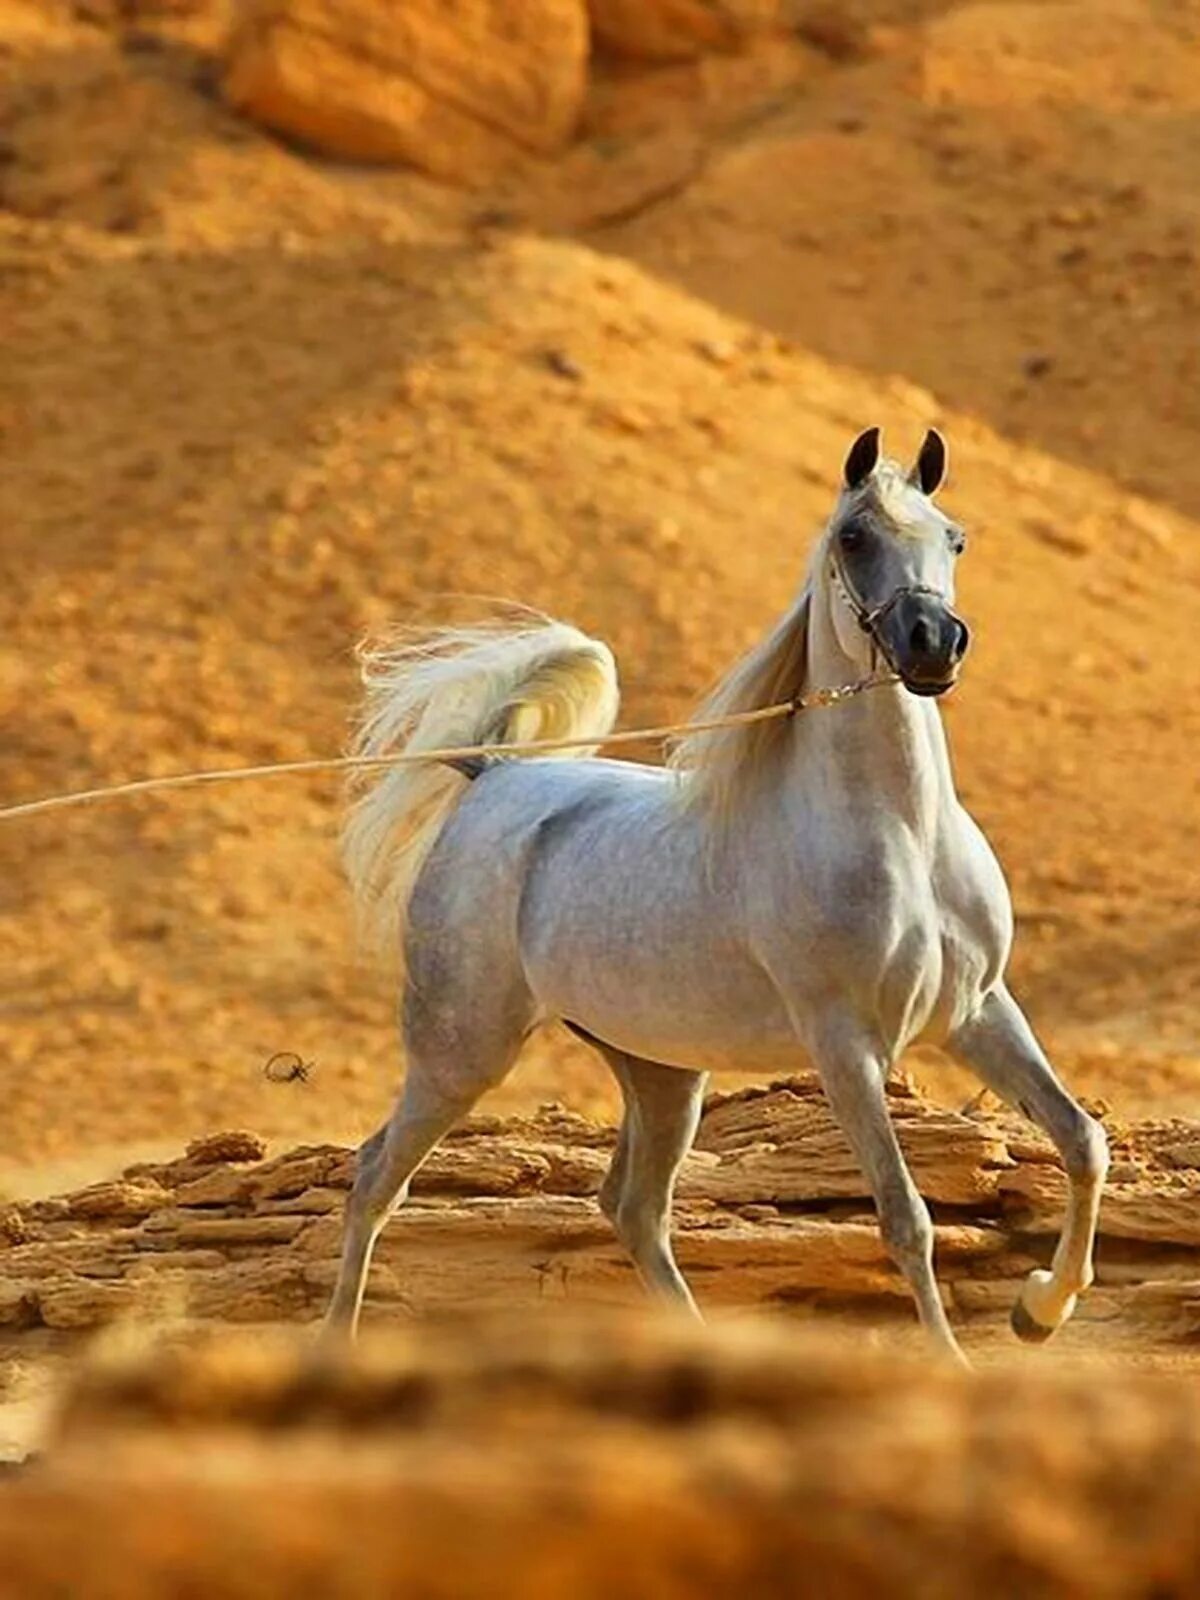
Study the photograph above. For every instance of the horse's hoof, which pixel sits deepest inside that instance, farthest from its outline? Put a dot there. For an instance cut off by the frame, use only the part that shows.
(1026, 1328)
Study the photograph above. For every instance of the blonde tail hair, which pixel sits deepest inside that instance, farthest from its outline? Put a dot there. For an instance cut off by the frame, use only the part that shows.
(456, 686)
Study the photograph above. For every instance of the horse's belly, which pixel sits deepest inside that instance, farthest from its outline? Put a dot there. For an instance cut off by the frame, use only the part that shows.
(731, 1021)
(719, 1045)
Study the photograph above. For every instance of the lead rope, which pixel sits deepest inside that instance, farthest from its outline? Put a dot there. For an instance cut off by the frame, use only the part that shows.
(817, 699)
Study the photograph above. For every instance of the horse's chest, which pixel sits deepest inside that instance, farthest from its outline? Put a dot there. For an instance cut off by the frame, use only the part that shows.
(922, 937)
(926, 982)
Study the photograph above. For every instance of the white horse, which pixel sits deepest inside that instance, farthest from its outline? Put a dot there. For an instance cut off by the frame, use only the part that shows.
(804, 889)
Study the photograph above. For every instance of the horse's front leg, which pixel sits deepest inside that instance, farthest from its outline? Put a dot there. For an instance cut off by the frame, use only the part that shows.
(853, 1074)
(999, 1045)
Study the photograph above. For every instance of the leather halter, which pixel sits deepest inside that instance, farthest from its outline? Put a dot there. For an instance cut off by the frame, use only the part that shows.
(870, 618)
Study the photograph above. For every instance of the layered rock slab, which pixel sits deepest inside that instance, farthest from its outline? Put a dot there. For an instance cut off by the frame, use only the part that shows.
(771, 1211)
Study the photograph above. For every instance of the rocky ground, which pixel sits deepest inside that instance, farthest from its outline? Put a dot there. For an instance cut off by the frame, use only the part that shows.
(772, 1212)
(257, 402)
(514, 1407)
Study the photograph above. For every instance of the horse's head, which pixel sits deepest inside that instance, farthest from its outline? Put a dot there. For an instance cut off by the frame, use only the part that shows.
(891, 559)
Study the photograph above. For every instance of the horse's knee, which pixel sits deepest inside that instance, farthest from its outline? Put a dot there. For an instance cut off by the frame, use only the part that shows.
(907, 1231)
(1085, 1149)
(609, 1197)
(640, 1224)
(626, 1220)
(613, 1185)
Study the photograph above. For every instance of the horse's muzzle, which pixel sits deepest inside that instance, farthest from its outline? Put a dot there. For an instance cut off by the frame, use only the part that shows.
(925, 642)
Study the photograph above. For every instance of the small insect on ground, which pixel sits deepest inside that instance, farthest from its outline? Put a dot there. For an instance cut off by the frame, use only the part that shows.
(285, 1066)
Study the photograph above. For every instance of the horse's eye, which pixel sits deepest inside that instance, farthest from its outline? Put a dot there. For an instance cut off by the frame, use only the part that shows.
(958, 540)
(851, 535)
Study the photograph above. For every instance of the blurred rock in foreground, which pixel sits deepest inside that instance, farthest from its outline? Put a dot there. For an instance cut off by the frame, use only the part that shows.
(554, 1455)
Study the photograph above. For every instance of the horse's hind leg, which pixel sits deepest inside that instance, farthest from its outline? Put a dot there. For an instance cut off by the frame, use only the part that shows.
(662, 1113)
(447, 1073)
(386, 1164)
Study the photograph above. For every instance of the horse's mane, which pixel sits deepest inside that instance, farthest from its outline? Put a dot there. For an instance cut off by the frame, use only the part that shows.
(718, 769)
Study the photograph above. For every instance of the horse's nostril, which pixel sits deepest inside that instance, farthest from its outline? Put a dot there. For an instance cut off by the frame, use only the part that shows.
(962, 638)
(921, 637)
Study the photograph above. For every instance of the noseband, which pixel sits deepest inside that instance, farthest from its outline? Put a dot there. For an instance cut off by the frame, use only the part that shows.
(870, 618)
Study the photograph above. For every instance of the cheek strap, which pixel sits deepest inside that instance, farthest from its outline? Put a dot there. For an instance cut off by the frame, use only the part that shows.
(870, 617)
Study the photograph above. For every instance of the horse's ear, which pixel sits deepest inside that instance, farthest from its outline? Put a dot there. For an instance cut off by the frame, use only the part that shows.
(930, 468)
(863, 458)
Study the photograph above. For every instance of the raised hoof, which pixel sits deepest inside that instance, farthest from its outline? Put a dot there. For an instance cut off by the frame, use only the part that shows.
(1026, 1329)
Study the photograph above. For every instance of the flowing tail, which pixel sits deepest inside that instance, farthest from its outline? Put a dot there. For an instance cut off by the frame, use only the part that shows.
(457, 686)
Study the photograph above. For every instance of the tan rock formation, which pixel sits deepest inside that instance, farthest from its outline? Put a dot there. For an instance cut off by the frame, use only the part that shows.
(460, 91)
(771, 1209)
(677, 30)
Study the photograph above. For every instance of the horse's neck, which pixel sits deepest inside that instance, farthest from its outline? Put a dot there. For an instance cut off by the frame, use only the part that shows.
(884, 751)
